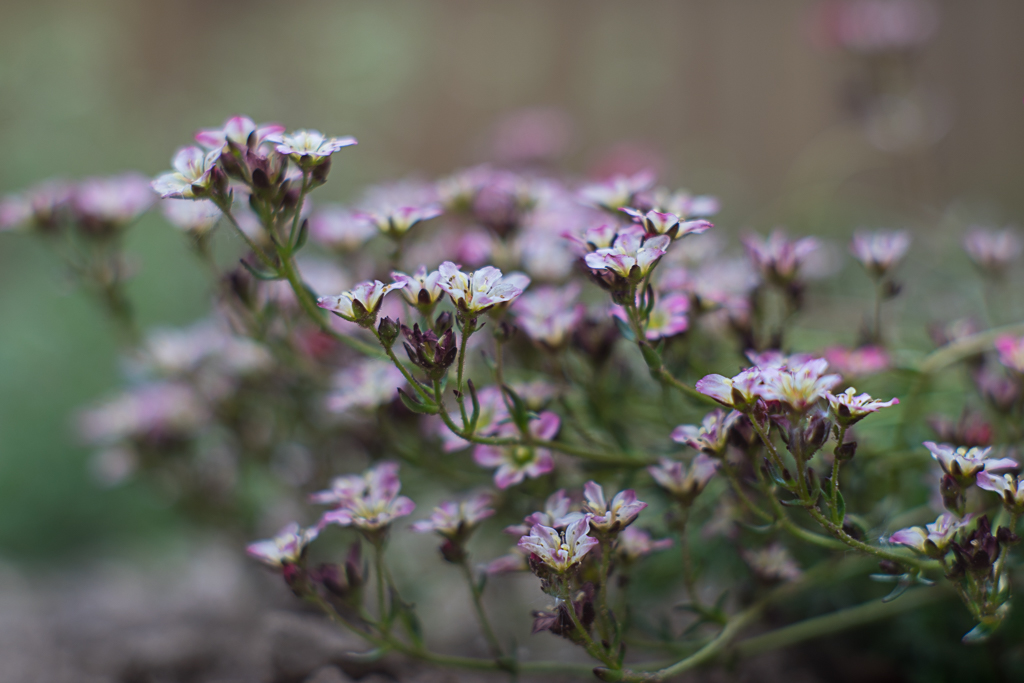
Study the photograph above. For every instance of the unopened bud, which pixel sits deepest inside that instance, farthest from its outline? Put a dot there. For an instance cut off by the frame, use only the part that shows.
(846, 451)
(388, 331)
(452, 552)
(504, 331)
(443, 323)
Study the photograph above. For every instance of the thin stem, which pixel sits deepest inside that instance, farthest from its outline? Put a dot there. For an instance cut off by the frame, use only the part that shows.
(836, 463)
(605, 621)
(593, 649)
(468, 326)
(382, 615)
(838, 532)
(253, 247)
(485, 624)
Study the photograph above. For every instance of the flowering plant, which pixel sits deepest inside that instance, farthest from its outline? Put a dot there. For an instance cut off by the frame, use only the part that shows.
(611, 388)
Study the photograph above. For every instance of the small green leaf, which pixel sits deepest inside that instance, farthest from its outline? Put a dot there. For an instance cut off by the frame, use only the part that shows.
(415, 406)
(624, 329)
(260, 274)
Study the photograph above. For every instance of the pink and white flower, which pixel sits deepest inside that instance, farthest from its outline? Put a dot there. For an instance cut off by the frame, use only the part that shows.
(480, 290)
(421, 288)
(612, 516)
(850, 408)
(684, 483)
(773, 563)
(630, 256)
(739, 392)
(361, 303)
(369, 503)
(1010, 488)
(556, 514)
(668, 317)
(880, 252)
(337, 228)
(861, 362)
(196, 216)
(287, 547)
(366, 385)
(934, 539)
(311, 144)
(663, 223)
(800, 387)
(191, 175)
(397, 221)
(560, 551)
(549, 315)
(515, 463)
(105, 203)
(1011, 352)
(778, 257)
(237, 130)
(616, 192)
(634, 543)
(992, 250)
(712, 434)
(456, 520)
(964, 463)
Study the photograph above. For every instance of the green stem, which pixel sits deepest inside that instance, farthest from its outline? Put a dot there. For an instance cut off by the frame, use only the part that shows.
(382, 614)
(592, 648)
(604, 570)
(485, 624)
(468, 326)
(835, 622)
(899, 558)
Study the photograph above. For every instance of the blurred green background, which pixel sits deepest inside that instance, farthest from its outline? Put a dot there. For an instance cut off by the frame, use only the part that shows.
(734, 96)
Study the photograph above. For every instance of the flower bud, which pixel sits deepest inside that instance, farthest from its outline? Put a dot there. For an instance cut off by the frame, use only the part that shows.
(388, 331)
(846, 451)
(953, 498)
(443, 323)
(504, 332)
(453, 552)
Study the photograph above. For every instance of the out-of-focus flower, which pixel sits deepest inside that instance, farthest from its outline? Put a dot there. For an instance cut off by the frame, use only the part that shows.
(549, 315)
(532, 135)
(360, 304)
(668, 317)
(684, 483)
(397, 221)
(366, 385)
(309, 143)
(202, 348)
(739, 392)
(493, 415)
(191, 175)
(1011, 352)
(370, 504)
(773, 563)
(616, 192)
(287, 547)
(507, 564)
(850, 408)
(600, 236)
(335, 227)
(661, 223)
(964, 463)
(680, 202)
(458, 190)
(154, 412)
(778, 257)
(559, 551)
(996, 388)
(478, 291)
(972, 429)
(103, 205)
(801, 386)
(41, 206)
(456, 520)
(861, 362)
(515, 463)
(880, 252)
(610, 517)
(555, 515)
(237, 130)
(712, 434)
(933, 539)
(197, 216)
(634, 543)
(422, 289)
(874, 26)
(630, 256)
(1009, 487)
(992, 250)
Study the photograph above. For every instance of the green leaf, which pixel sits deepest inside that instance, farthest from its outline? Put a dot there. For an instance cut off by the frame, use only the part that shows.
(260, 274)
(624, 329)
(979, 634)
(415, 406)
(300, 241)
(839, 513)
(519, 413)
